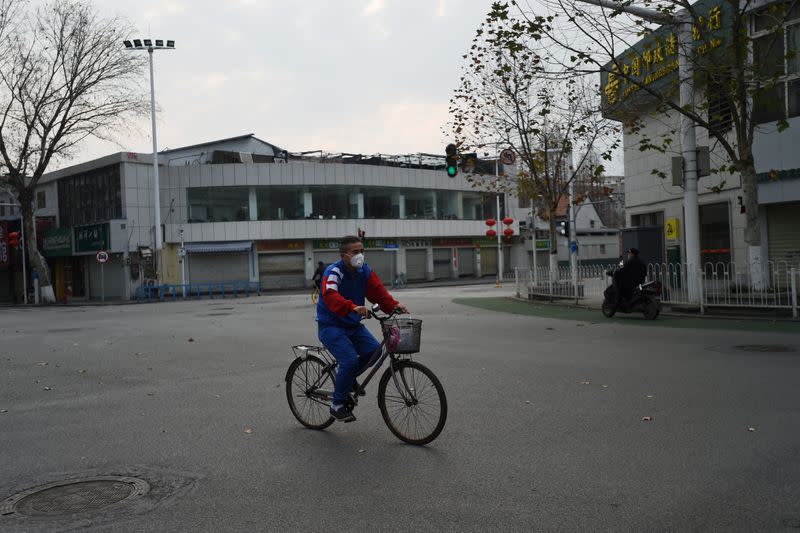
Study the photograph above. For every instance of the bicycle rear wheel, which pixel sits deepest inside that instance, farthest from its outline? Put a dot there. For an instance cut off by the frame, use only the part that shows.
(305, 381)
(416, 412)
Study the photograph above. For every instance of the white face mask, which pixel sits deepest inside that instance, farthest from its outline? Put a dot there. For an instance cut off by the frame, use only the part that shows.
(357, 260)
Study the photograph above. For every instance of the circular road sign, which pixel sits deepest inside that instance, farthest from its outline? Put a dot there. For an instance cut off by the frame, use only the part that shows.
(507, 156)
(102, 257)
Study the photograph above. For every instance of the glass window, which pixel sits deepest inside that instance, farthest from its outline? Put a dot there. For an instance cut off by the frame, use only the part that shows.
(473, 206)
(793, 47)
(41, 200)
(769, 104)
(377, 202)
(447, 205)
(333, 202)
(280, 203)
(420, 204)
(218, 204)
(794, 98)
(94, 196)
(768, 55)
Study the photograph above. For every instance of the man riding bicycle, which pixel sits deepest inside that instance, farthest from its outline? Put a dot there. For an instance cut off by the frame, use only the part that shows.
(340, 310)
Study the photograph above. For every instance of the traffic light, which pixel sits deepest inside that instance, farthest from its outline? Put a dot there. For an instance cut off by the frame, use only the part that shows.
(451, 160)
(13, 239)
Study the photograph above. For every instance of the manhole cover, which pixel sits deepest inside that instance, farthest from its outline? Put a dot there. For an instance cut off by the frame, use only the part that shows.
(767, 348)
(72, 497)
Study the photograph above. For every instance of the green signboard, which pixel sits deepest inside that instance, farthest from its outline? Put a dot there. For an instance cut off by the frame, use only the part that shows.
(57, 242)
(333, 244)
(653, 61)
(543, 244)
(89, 239)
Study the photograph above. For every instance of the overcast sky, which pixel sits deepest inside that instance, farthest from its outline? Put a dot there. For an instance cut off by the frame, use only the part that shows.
(359, 76)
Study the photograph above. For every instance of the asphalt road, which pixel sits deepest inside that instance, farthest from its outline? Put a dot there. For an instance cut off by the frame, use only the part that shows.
(545, 429)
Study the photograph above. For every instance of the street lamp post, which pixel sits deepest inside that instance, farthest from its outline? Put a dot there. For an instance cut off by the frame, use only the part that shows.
(683, 20)
(150, 46)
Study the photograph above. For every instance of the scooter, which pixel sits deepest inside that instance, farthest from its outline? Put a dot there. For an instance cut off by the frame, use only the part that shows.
(645, 299)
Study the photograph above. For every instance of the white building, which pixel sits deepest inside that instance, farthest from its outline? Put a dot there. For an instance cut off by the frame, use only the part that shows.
(250, 211)
(651, 200)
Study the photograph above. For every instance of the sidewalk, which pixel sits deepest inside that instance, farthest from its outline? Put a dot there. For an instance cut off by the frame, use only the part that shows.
(710, 312)
(585, 316)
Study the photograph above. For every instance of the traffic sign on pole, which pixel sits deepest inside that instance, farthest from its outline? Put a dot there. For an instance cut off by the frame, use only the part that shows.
(102, 257)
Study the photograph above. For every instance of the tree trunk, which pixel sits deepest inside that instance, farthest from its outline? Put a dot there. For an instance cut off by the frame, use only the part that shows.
(36, 260)
(752, 229)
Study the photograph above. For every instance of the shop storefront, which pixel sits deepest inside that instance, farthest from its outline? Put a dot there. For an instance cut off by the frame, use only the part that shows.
(416, 251)
(281, 264)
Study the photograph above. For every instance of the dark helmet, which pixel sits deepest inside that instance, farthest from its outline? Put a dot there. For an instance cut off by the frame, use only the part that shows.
(633, 251)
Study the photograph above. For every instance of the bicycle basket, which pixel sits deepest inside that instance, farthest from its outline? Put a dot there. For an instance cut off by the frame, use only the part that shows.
(402, 335)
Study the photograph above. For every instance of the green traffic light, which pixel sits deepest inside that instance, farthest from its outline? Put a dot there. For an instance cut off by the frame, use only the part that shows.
(452, 171)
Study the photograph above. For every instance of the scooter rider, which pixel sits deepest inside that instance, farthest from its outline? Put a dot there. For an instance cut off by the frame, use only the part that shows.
(632, 273)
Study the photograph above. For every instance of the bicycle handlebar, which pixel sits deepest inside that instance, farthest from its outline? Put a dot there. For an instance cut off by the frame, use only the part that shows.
(382, 317)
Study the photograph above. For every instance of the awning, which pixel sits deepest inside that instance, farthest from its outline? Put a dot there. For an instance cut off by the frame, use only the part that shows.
(218, 247)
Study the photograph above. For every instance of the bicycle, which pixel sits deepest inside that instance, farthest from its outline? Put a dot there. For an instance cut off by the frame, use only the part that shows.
(315, 294)
(410, 396)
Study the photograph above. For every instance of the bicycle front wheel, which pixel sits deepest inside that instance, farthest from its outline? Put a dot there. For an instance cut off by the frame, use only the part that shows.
(417, 410)
(307, 381)
(315, 295)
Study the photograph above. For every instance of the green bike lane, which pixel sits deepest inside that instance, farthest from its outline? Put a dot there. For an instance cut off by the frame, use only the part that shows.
(518, 307)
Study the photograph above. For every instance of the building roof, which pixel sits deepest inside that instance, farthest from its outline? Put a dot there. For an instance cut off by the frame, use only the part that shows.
(276, 149)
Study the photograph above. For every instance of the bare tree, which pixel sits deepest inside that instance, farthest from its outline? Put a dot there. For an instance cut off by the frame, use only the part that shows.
(741, 74)
(508, 98)
(64, 77)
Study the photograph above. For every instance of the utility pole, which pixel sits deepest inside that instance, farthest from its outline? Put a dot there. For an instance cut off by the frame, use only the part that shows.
(573, 244)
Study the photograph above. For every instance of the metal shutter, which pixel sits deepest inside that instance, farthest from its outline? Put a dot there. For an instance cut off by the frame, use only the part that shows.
(113, 278)
(416, 264)
(488, 261)
(382, 263)
(204, 268)
(282, 271)
(441, 263)
(466, 262)
(784, 239)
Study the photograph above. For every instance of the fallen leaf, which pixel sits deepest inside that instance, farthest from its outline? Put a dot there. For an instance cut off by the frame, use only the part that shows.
(248, 429)
(647, 419)
(549, 329)
(3, 411)
(586, 382)
(47, 388)
(527, 402)
(361, 450)
(751, 429)
(216, 396)
(605, 386)
(82, 371)
(75, 344)
(150, 394)
(650, 396)
(191, 339)
(43, 363)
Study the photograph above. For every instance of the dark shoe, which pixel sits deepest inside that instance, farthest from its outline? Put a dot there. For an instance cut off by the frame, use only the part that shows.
(343, 414)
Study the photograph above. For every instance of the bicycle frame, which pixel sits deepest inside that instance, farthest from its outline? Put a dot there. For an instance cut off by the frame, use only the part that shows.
(375, 362)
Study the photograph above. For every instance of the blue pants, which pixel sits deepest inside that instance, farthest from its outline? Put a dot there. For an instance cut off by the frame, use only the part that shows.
(352, 348)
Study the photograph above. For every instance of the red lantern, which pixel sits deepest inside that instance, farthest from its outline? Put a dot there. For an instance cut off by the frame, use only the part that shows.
(491, 222)
(491, 233)
(508, 221)
(508, 232)
(13, 239)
